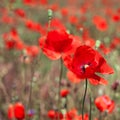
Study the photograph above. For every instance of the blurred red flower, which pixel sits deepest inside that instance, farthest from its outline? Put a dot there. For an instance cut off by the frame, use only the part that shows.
(104, 103)
(12, 40)
(32, 51)
(20, 12)
(86, 62)
(10, 112)
(17, 111)
(116, 17)
(64, 92)
(101, 23)
(54, 115)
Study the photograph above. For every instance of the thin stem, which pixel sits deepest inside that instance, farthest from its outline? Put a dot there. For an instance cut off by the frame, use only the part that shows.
(90, 112)
(31, 83)
(86, 83)
(59, 87)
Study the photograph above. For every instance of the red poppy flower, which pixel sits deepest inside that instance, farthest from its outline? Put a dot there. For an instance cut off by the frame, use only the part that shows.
(51, 114)
(7, 19)
(56, 43)
(116, 17)
(86, 62)
(115, 43)
(73, 20)
(43, 2)
(19, 111)
(9, 44)
(10, 112)
(20, 12)
(85, 117)
(104, 103)
(71, 114)
(12, 40)
(101, 23)
(105, 50)
(64, 11)
(64, 92)
(55, 115)
(32, 51)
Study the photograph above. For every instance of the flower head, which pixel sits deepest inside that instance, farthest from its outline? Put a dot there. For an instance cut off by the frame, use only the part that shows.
(64, 92)
(104, 103)
(56, 43)
(86, 62)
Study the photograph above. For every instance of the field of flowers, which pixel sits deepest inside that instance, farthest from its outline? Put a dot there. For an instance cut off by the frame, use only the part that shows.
(60, 60)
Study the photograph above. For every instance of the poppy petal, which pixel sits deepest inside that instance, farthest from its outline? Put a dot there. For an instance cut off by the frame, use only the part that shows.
(72, 77)
(95, 80)
(103, 67)
(51, 54)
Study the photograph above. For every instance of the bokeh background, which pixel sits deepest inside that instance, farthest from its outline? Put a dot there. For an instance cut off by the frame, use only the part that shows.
(94, 22)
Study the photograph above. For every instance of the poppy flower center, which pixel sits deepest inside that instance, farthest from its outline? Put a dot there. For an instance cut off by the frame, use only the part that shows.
(84, 67)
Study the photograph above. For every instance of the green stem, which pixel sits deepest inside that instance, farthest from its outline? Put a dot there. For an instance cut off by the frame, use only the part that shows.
(90, 113)
(86, 83)
(31, 83)
(59, 88)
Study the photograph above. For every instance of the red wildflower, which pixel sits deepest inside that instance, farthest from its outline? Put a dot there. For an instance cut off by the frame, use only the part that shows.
(20, 12)
(7, 19)
(16, 111)
(43, 2)
(32, 50)
(104, 103)
(73, 20)
(71, 114)
(86, 117)
(19, 111)
(115, 42)
(56, 43)
(54, 115)
(9, 44)
(10, 112)
(86, 62)
(34, 26)
(116, 17)
(19, 45)
(101, 23)
(51, 114)
(105, 50)
(12, 40)
(64, 11)
(64, 92)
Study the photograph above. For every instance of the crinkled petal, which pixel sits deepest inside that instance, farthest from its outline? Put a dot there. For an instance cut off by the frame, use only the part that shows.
(95, 80)
(103, 67)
